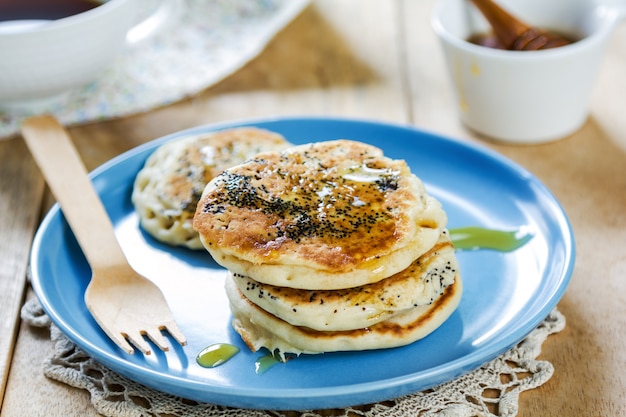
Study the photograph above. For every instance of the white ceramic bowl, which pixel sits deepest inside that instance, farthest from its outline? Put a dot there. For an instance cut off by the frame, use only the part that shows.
(525, 96)
(42, 60)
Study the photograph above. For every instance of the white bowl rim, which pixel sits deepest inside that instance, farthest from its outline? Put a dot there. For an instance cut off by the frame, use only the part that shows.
(62, 23)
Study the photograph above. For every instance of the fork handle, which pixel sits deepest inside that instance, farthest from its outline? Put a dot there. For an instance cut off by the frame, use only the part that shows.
(68, 180)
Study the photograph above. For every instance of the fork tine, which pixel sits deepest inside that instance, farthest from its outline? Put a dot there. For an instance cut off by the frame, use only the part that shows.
(157, 338)
(139, 342)
(121, 342)
(175, 332)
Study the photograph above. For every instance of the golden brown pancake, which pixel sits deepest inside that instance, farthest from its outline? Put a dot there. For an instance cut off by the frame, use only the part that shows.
(260, 329)
(326, 215)
(354, 308)
(168, 188)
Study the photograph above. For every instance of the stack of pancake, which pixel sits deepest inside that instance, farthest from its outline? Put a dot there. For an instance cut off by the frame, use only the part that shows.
(331, 246)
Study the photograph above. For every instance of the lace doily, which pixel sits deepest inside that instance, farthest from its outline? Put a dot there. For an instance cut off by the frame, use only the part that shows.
(490, 391)
(212, 39)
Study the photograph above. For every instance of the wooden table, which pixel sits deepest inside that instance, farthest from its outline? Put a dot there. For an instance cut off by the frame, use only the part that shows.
(380, 60)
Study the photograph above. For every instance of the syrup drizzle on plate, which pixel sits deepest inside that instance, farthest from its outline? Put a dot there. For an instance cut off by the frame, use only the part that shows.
(216, 354)
(473, 238)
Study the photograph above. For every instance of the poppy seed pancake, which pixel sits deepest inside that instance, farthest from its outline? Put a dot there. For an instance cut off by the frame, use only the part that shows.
(260, 329)
(354, 308)
(326, 215)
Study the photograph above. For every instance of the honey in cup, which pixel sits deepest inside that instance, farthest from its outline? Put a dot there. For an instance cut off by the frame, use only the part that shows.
(44, 9)
(490, 40)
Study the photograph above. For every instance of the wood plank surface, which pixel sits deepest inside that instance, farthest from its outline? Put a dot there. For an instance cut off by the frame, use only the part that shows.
(21, 191)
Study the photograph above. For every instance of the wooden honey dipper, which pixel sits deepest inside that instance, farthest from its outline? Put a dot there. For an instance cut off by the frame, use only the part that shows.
(513, 33)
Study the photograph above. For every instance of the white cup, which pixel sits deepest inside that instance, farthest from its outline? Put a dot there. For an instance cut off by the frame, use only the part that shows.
(525, 96)
(43, 60)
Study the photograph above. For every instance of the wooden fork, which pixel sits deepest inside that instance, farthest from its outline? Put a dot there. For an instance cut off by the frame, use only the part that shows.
(126, 305)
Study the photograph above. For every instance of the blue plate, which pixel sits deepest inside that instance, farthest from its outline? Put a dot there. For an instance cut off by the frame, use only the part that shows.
(506, 294)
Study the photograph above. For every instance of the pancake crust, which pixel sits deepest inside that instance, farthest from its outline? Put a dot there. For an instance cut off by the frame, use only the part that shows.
(168, 187)
(260, 329)
(326, 215)
(354, 308)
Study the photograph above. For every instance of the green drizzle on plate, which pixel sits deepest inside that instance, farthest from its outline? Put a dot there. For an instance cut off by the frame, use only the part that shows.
(473, 237)
(216, 354)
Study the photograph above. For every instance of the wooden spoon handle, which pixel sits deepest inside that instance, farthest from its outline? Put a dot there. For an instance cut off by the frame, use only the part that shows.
(506, 26)
(515, 34)
(67, 178)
